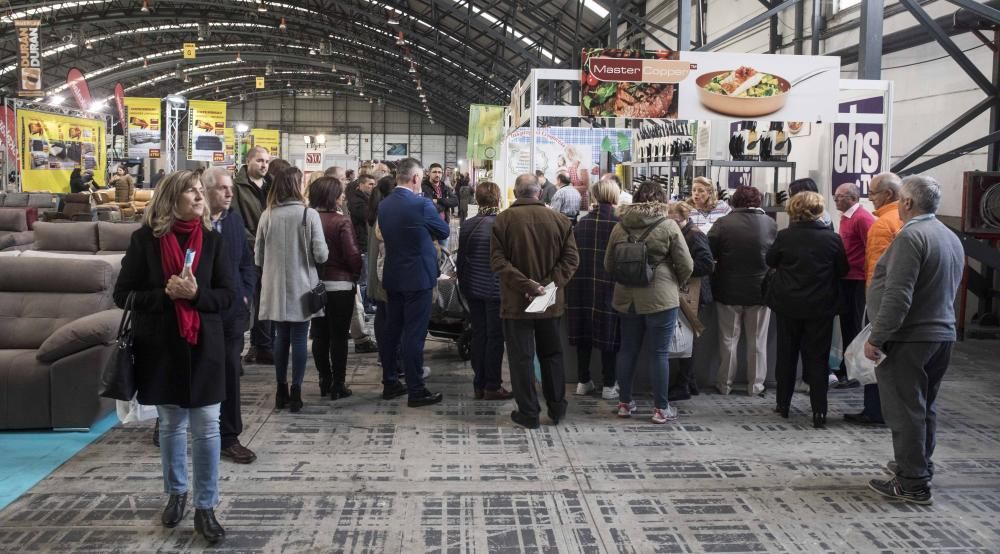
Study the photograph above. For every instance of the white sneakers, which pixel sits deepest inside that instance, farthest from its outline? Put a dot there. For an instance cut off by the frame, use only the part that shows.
(832, 380)
(583, 389)
(663, 416)
(427, 372)
(610, 393)
(626, 410)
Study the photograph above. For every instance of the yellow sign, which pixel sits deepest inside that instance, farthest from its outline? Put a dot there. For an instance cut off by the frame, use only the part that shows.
(485, 131)
(260, 82)
(52, 146)
(143, 132)
(267, 138)
(206, 130)
(190, 50)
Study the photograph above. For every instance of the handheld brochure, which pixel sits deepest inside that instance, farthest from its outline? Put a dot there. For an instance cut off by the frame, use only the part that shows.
(188, 259)
(542, 303)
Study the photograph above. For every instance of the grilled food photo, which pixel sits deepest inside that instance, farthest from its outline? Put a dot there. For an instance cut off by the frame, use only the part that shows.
(205, 125)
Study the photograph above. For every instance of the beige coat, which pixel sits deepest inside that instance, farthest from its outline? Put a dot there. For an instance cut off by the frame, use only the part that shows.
(288, 273)
(665, 247)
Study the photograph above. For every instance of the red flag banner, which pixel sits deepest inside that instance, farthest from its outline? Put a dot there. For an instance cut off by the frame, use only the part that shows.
(78, 86)
(8, 136)
(120, 102)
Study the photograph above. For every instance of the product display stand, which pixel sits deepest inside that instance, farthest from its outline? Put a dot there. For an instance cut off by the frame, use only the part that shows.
(769, 206)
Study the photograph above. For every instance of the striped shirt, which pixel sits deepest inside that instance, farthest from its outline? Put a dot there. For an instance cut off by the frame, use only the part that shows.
(705, 219)
(566, 201)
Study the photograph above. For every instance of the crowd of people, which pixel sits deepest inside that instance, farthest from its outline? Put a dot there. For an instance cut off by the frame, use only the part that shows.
(291, 260)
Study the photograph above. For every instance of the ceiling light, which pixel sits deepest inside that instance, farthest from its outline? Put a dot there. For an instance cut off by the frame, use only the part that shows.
(282, 26)
(422, 95)
(206, 77)
(202, 30)
(242, 127)
(333, 68)
(362, 93)
(238, 58)
(400, 41)
(216, 90)
(288, 83)
(261, 6)
(145, 6)
(243, 97)
(56, 100)
(187, 78)
(348, 81)
(145, 62)
(97, 106)
(176, 99)
(268, 69)
(413, 68)
(371, 100)
(393, 17)
(312, 51)
(419, 87)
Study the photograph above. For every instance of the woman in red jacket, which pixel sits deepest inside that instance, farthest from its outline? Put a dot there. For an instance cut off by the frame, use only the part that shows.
(339, 274)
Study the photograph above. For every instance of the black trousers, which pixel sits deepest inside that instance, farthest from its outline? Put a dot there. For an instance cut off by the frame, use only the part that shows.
(811, 339)
(525, 337)
(584, 350)
(487, 344)
(407, 316)
(230, 418)
(852, 313)
(330, 332)
(262, 333)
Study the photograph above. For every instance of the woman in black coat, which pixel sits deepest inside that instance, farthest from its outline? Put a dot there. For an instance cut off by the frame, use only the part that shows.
(808, 260)
(179, 345)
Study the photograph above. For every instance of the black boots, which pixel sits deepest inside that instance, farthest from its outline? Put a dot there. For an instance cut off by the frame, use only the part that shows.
(340, 390)
(782, 409)
(819, 420)
(295, 402)
(325, 381)
(281, 398)
(174, 512)
(207, 526)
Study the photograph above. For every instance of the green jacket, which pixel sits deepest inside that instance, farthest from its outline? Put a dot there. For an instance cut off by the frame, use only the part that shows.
(247, 199)
(665, 247)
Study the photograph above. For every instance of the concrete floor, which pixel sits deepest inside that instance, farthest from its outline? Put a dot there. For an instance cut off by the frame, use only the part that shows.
(365, 475)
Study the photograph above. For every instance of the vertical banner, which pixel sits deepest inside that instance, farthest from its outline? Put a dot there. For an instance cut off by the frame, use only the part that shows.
(51, 146)
(230, 147)
(857, 147)
(143, 130)
(267, 138)
(206, 131)
(78, 86)
(29, 59)
(120, 104)
(8, 136)
(485, 131)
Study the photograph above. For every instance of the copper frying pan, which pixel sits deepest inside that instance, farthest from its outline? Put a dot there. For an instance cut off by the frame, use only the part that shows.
(740, 106)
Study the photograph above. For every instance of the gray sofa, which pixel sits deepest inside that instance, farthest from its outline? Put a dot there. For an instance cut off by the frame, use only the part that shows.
(81, 237)
(14, 229)
(57, 317)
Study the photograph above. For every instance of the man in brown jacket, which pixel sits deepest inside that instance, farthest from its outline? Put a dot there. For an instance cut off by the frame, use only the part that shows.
(531, 247)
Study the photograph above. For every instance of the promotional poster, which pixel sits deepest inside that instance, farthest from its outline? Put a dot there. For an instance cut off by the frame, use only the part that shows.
(144, 127)
(857, 147)
(53, 145)
(268, 138)
(485, 131)
(206, 131)
(29, 58)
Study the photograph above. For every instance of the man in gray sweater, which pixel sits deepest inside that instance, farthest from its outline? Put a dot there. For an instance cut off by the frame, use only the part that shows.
(911, 306)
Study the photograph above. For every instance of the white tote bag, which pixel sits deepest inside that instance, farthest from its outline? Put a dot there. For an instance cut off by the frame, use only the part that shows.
(134, 411)
(858, 366)
(682, 343)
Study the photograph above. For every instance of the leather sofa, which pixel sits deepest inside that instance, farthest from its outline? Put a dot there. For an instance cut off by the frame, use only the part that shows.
(57, 317)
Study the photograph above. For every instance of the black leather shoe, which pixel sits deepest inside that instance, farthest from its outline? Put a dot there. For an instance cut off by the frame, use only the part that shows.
(324, 385)
(295, 400)
(281, 397)
(207, 526)
(862, 419)
(367, 347)
(847, 384)
(557, 413)
(424, 398)
(819, 421)
(393, 390)
(173, 513)
(523, 420)
(782, 409)
(339, 391)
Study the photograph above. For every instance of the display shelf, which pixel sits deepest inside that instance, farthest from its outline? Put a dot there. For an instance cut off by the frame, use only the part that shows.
(731, 163)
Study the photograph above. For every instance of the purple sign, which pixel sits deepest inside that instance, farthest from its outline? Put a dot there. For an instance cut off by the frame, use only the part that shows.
(738, 176)
(857, 147)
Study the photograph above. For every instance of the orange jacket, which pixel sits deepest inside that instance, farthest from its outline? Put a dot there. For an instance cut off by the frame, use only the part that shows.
(880, 236)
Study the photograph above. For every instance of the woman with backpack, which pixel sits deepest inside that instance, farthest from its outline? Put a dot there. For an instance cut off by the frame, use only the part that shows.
(648, 259)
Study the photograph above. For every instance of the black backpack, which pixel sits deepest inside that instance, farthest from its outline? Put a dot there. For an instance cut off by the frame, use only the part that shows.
(632, 267)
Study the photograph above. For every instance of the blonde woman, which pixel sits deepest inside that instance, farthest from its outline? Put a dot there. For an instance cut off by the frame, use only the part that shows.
(707, 208)
(180, 357)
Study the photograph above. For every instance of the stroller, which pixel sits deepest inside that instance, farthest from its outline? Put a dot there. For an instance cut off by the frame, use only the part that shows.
(450, 313)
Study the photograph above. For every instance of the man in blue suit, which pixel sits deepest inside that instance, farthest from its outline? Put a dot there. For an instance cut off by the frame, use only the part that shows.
(409, 224)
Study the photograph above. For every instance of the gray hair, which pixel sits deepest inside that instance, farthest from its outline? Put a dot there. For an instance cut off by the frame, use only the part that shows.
(526, 186)
(888, 181)
(406, 169)
(851, 189)
(925, 192)
(210, 177)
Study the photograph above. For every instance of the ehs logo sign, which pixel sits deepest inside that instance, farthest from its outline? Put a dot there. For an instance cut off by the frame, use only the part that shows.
(858, 147)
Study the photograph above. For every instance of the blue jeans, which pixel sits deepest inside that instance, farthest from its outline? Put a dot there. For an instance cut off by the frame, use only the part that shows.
(296, 335)
(205, 446)
(646, 337)
(407, 316)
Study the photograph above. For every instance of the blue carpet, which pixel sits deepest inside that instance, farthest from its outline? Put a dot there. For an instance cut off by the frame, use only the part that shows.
(27, 457)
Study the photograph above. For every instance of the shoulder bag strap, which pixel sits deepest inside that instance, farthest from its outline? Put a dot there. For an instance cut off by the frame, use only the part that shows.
(125, 325)
(649, 229)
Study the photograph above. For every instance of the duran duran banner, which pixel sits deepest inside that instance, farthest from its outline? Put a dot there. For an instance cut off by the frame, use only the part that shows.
(703, 86)
(485, 131)
(78, 86)
(267, 138)
(8, 137)
(29, 58)
(857, 147)
(52, 146)
(144, 127)
(206, 131)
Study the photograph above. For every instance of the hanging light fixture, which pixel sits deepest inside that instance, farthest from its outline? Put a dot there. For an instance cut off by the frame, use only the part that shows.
(371, 100)
(413, 68)
(419, 87)
(348, 81)
(393, 17)
(243, 97)
(333, 68)
(422, 95)
(238, 58)
(145, 6)
(400, 41)
(216, 90)
(288, 83)
(312, 51)
(261, 6)
(145, 62)
(187, 78)
(282, 26)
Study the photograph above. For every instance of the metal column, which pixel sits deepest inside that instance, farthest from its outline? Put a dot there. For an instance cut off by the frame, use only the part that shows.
(175, 115)
(817, 26)
(684, 25)
(870, 45)
(993, 154)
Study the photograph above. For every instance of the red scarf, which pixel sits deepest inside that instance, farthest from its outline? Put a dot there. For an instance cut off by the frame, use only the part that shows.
(172, 262)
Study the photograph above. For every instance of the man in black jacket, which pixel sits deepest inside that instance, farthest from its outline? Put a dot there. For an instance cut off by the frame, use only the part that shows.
(357, 205)
(438, 191)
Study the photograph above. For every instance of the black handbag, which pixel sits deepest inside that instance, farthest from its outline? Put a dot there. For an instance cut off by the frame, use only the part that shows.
(315, 298)
(118, 377)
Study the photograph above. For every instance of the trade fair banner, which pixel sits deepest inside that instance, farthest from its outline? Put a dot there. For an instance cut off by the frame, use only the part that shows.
(230, 146)
(206, 131)
(267, 138)
(8, 136)
(702, 86)
(143, 131)
(29, 59)
(78, 86)
(53, 145)
(485, 131)
(857, 147)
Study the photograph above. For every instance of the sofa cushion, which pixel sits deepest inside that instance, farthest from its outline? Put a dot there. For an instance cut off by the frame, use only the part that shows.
(112, 258)
(13, 219)
(115, 236)
(143, 195)
(16, 200)
(25, 390)
(71, 237)
(43, 200)
(80, 334)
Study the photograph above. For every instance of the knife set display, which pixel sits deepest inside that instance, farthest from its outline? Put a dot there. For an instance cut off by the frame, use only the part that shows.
(749, 144)
(666, 141)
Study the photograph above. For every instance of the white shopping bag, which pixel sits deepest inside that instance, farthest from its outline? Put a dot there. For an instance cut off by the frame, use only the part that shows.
(682, 343)
(858, 366)
(134, 411)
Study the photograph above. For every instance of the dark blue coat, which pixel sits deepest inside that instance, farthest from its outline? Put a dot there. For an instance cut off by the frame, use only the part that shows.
(239, 260)
(475, 277)
(410, 224)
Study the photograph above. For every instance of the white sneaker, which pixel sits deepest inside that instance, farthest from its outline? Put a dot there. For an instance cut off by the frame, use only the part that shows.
(626, 410)
(427, 372)
(802, 386)
(583, 389)
(610, 393)
(663, 416)
(832, 380)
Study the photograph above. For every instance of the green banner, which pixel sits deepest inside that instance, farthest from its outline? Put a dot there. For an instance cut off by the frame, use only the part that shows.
(485, 131)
